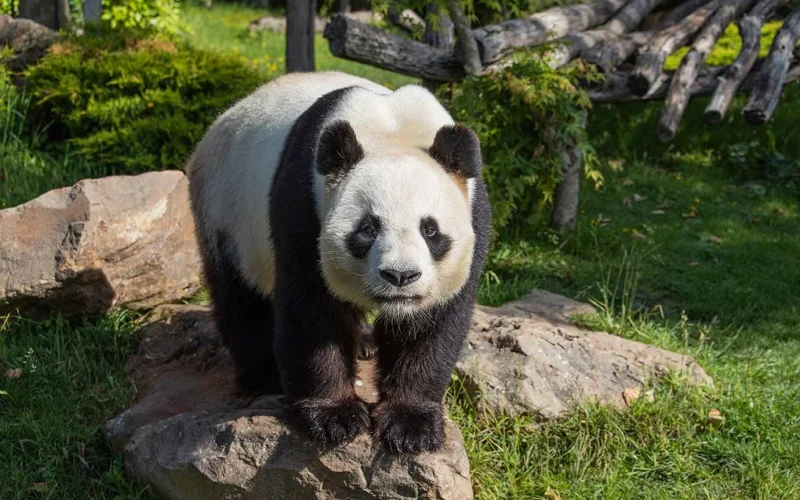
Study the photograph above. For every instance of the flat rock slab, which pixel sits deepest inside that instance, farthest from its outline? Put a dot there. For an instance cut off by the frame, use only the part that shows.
(528, 358)
(100, 244)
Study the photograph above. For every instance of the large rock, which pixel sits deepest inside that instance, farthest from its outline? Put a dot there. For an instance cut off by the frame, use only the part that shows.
(100, 244)
(28, 40)
(192, 436)
(527, 358)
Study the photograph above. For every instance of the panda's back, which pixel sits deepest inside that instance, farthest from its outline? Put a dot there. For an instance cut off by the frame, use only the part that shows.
(232, 170)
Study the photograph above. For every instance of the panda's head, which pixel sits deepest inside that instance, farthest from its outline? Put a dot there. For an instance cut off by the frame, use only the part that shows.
(397, 229)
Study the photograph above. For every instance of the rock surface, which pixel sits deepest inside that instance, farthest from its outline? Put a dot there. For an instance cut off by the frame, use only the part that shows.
(527, 358)
(29, 41)
(192, 436)
(100, 244)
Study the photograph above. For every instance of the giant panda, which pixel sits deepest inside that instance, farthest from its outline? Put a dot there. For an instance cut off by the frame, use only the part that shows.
(320, 198)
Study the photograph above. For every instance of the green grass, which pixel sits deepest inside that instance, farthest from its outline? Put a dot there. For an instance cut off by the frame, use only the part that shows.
(721, 282)
(51, 417)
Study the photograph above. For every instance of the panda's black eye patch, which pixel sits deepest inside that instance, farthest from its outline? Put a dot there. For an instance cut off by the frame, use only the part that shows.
(361, 239)
(438, 244)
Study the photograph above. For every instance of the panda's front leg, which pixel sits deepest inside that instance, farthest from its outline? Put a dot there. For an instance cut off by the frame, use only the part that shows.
(416, 361)
(315, 349)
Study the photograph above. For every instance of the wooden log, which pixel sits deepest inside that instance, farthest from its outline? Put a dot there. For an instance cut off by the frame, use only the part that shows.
(616, 88)
(611, 54)
(92, 10)
(469, 47)
(678, 95)
(772, 77)
(497, 40)
(651, 57)
(367, 44)
(729, 83)
(625, 20)
(680, 12)
(406, 19)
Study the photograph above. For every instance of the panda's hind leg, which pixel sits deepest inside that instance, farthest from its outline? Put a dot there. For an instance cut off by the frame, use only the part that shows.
(245, 320)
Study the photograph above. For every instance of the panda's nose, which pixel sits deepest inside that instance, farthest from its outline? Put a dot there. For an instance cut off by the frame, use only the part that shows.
(400, 278)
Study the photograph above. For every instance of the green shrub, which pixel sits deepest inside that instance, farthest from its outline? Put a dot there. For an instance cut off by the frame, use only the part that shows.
(144, 16)
(514, 112)
(134, 106)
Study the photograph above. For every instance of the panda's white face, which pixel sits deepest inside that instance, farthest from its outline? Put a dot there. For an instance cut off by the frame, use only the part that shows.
(397, 234)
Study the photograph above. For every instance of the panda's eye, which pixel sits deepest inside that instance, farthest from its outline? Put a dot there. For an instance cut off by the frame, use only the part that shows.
(368, 230)
(430, 231)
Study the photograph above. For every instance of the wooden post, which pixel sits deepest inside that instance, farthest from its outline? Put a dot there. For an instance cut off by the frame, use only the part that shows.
(300, 35)
(472, 58)
(92, 9)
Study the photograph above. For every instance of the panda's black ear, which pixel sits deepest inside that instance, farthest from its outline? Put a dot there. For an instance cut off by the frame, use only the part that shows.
(338, 150)
(458, 150)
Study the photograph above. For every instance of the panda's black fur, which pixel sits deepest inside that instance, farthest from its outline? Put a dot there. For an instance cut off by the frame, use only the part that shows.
(304, 341)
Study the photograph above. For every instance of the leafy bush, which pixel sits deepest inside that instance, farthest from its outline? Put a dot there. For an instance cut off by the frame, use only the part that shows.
(143, 16)
(26, 170)
(516, 114)
(134, 105)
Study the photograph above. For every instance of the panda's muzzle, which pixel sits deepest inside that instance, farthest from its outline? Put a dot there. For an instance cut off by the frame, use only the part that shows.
(400, 278)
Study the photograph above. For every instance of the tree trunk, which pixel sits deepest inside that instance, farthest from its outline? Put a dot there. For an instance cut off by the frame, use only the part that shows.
(564, 216)
(343, 6)
(772, 76)
(51, 13)
(300, 35)
(92, 9)
(679, 90)
(750, 31)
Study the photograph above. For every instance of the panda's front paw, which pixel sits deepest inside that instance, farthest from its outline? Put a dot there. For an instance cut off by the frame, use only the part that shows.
(410, 429)
(331, 424)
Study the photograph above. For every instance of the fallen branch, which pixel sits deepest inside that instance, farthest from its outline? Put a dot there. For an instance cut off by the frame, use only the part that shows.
(497, 40)
(773, 74)
(616, 88)
(729, 83)
(651, 58)
(678, 95)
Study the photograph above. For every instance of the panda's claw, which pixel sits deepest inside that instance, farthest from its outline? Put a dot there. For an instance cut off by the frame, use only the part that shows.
(332, 424)
(410, 429)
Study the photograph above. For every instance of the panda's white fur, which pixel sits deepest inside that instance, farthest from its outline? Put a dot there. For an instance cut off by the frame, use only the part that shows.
(233, 167)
